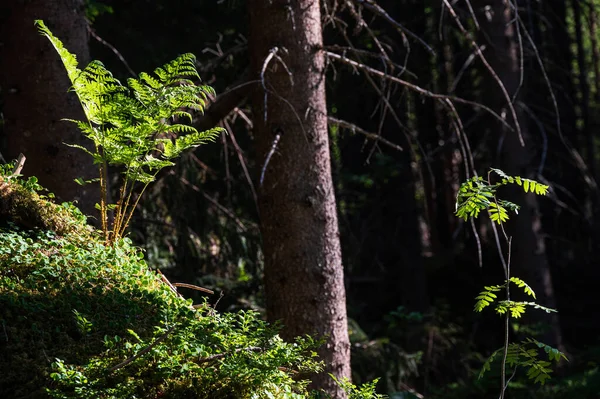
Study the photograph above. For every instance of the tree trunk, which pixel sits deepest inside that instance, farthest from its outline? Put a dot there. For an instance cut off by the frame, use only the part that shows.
(34, 88)
(304, 279)
(529, 260)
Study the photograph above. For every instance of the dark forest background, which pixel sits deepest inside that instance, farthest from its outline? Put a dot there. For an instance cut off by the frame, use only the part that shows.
(399, 153)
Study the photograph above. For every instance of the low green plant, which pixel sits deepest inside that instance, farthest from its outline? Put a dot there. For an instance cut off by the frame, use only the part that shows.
(135, 126)
(474, 196)
(85, 320)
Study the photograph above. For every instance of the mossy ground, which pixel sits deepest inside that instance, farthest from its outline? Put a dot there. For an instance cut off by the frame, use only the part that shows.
(83, 320)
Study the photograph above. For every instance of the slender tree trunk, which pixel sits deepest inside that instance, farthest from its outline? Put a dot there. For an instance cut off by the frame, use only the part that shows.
(586, 138)
(34, 89)
(529, 260)
(304, 279)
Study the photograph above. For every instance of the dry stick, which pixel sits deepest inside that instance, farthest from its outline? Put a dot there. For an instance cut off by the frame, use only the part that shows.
(374, 7)
(142, 352)
(272, 54)
(194, 287)
(356, 129)
(574, 153)
(371, 54)
(472, 12)
(213, 201)
(19, 165)
(223, 355)
(416, 88)
(166, 281)
(468, 159)
(240, 156)
(495, 76)
(391, 110)
(227, 171)
(269, 155)
(521, 56)
(463, 69)
(112, 48)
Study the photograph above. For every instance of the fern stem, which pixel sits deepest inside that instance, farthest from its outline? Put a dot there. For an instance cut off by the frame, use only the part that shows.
(119, 211)
(133, 209)
(506, 324)
(103, 194)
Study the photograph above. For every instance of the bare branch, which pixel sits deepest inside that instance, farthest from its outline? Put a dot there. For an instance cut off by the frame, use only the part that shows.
(355, 129)
(375, 8)
(414, 87)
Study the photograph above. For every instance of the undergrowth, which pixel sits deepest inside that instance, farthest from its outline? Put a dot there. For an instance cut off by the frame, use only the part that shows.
(90, 321)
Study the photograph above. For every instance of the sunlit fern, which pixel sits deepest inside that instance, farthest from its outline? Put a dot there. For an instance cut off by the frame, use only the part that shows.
(135, 126)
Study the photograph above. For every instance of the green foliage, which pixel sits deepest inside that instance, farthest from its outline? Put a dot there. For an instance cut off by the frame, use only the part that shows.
(477, 194)
(525, 354)
(85, 320)
(365, 391)
(486, 297)
(474, 196)
(129, 125)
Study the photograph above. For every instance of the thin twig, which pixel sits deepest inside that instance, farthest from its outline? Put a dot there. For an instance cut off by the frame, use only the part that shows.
(143, 351)
(485, 62)
(269, 155)
(113, 49)
(356, 129)
(416, 88)
(223, 355)
(194, 287)
(19, 165)
(378, 10)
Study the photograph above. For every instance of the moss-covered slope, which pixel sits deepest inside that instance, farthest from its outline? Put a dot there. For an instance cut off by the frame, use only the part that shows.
(82, 320)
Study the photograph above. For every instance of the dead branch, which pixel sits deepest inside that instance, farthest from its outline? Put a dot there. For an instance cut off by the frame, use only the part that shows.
(142, 352)
(194, 287)
(378, 10)
(223, 355)
(356, 129)
(416, 88)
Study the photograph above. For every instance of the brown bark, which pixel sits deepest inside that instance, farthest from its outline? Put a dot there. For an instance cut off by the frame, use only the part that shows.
(34, 90)
(304, 277)
(529, 260)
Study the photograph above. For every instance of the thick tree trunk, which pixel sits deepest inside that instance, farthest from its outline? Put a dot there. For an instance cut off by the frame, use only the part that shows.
(304, 277)
(529, 260)
(34, 88)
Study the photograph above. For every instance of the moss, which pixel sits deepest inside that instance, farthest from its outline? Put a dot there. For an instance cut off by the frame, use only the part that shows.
(82, 320)
(26, 208)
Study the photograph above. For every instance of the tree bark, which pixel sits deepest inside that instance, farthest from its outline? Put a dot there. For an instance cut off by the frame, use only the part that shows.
(304, 279)
(529, 260)
(34, 90)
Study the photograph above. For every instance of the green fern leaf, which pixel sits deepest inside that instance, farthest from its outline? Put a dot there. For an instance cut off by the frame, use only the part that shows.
(522, 284)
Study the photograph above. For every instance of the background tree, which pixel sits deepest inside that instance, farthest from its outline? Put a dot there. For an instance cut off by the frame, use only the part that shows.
(35, 97)
(304, 279)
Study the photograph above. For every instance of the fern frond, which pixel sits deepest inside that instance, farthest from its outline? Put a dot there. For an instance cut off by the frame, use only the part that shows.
(497, 213)
(486, 297)
(69, 60)
(553, 353)
(522, 284)
(516, 308)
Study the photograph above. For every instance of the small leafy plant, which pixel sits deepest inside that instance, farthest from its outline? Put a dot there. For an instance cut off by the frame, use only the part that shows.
(477, 195)
(130, 125)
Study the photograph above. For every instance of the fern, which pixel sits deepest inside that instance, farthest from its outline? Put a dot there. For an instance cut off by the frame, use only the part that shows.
(525, 354)
(476, 195)
(522, 284)
(486, 297)
(135, 126)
